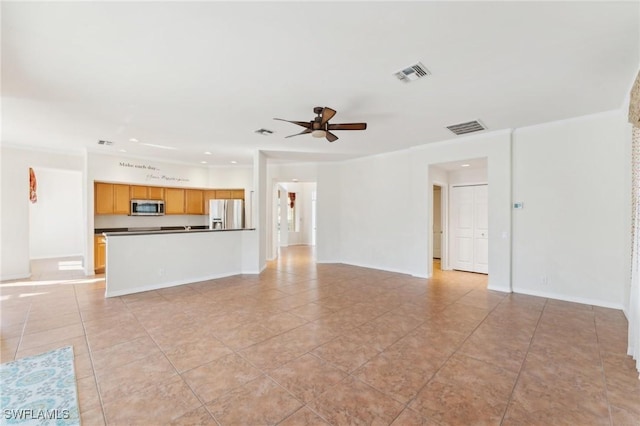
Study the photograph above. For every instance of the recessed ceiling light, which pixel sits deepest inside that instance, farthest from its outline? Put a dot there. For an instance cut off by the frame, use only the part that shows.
(158, 146)
(465, 165)
(134, 140)
(203, 162)
(122, 150)
(207, 153)
(294, 180)
(234, 162)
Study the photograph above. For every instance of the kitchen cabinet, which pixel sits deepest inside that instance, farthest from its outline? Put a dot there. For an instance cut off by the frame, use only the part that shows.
(209, 194)
(155, 193)
(223, 194)
(138, 192)
(174, 201)
(99, 254)
(111, 198)
(194, 201)
(121, 200)
(237, 194)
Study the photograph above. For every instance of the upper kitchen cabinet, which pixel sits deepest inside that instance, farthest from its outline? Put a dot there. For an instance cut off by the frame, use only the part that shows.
(194, 201)
(139, 192)
(237, 194)
(223, 194)
(174, 201)
(111, 198)
(155, 193)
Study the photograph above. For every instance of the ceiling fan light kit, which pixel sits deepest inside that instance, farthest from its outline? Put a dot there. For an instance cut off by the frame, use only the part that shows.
(319, 127)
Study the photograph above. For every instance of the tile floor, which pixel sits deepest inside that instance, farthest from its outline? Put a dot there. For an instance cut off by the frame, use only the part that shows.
(307, 344)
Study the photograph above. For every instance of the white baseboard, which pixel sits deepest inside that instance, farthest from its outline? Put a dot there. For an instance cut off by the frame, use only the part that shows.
(501, 289)
(167, 284)
(59, 256)
(364, 265)
(566, 298)
(10, 277)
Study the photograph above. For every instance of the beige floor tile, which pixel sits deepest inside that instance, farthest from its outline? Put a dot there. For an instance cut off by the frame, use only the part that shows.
(212, 380)
(166, 400)
(446, 346)
(303, 417)
(135, 377)
(260, 401)
(318, 377)
(354, 402)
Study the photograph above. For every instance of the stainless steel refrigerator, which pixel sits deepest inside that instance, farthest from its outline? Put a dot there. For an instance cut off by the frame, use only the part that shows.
(226, 214)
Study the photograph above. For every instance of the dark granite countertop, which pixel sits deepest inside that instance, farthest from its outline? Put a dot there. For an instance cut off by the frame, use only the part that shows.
(112, 232)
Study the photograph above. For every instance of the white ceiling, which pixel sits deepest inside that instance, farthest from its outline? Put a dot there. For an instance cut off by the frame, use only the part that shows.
(203, 76)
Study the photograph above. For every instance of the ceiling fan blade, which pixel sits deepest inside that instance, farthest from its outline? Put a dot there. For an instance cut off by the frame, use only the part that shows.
(347, 126)
(331, 137)
(301, 133)
(327, 114)
(299, 123)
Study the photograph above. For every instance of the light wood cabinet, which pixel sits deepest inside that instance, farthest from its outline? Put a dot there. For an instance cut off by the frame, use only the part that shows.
(121, 199)
(99, 254)
(103, 195)
(155, 193)
(138, 192)
(223, 194)
(194, 201)
(111, 198)
(174, 201)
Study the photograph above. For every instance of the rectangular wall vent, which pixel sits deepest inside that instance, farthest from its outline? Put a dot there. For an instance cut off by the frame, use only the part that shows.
(105, 143)
(264, 132)
(412, 73)
(468, 127)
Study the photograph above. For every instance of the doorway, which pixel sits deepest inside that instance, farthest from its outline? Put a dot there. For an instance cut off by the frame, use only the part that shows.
(437, 228)
(294, 214)
(459, 233)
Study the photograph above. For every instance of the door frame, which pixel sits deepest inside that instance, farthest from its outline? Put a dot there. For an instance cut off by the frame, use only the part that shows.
(444, 219)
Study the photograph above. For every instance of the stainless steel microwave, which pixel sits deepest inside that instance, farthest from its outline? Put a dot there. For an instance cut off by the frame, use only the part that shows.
(147, 207)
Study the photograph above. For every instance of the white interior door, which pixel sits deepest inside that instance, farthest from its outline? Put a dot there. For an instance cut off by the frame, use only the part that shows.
(437, 222)
(470, 236)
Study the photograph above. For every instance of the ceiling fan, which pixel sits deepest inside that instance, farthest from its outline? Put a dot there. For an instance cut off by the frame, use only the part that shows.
(320, 127)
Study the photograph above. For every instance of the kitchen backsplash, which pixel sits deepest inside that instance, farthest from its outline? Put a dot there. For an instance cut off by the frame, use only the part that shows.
(121, 221)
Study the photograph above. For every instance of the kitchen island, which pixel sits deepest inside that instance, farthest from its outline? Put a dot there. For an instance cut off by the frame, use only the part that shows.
(151, 260)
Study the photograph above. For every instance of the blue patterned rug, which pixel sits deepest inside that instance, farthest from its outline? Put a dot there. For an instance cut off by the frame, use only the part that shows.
(40, 390)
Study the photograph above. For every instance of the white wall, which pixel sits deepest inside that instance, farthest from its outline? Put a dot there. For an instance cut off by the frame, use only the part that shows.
(231, 177)
(14, 208)
(55, 220)
(468, 176)
(377, 211)
(571, 239)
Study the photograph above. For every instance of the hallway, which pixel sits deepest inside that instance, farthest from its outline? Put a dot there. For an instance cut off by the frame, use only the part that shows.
(306, 343)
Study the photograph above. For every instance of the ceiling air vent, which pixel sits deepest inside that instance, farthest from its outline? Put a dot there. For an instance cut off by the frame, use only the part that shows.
(105, 143)
(412, 73)
(264, 132)
(468, 127)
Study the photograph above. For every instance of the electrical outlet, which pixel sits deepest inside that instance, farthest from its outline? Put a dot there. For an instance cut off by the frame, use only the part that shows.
(161, 272)
(544, 280)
